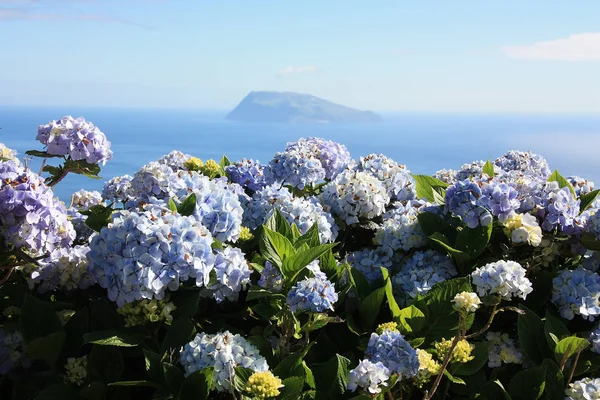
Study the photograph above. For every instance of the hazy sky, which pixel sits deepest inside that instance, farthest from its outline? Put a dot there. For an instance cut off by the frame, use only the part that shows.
(525, 56)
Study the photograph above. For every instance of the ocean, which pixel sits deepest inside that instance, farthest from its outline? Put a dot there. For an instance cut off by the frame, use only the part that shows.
(424, 142)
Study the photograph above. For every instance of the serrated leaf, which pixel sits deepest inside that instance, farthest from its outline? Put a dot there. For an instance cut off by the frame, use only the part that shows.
(47, 348)
(569, 346)
(292, 388)
(172, 205)
(411, 319)
(278, 223)
(587, 199)
(474, 241)
(105, 364)
(291, 362)
(174, 378)
(555, 381)
(38, 319)
(425, 186)
(453, 379)
(41, 154)
(531, 335)
(481, 357)
(488, 169)
(562, 182)
(241, 378)
(332, 376)
(554, 330)
(588, 240)
(294, 264)
(187, 206)
(275, 242)
(389, 294)
(112, 337)
(98, 217)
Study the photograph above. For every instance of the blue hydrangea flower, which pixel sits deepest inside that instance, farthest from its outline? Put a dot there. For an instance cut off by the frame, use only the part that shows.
(76, 138)
(64, 269)
(370, 261)
(118, 189)
(591, 261)
(394, 353)
(222, 351)
(369, 376)
(174, 160)
(419, 272)
(560, 209)
(526, 162)
(231, 275)
(593, 224)
(577, 292)
(397, 180)
(143, 254)
(294, 168)
(155, 180)
(30, 215)
(595, 338)
(400, 229)
(583, 389)
(463, 201)
(84, 199)
(334, 157)
(474, 169)
(247, 173)
(352, 196)
(312, 295)
(271, 278)
(502, 349)
(581, 185)
(504, 278)
(12, 351)
(446, 175)
(501, 199)
(315, 268)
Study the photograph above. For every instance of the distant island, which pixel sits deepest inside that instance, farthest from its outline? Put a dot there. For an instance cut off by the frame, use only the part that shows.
(296, 108)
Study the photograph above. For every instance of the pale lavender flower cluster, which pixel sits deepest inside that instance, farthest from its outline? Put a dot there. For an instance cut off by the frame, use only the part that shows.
(502, 349)
(30, 215)
(420, 272)
(174, 160)
(334, 157)
(473, 170)
(247, 173)
(580, 185)
(370, 261)
(560, 209)
(368, 375)
(82, 231)
(526, 162)
(397, 180)
(501, 199)
(118, 189)
(504, 278)
(394, 352)
(593, 224)
(400, 229)
(76, 138)
(261, 203)
(353, 196)
(12, 351)
(64, 269)
(84, 199)
(446, 175)
(224, 352)
(154, 180)
(162, 249)
(270, 278)
(577, 292)
(463, 201)
(584, 389)
(312, 295)
(231, 275)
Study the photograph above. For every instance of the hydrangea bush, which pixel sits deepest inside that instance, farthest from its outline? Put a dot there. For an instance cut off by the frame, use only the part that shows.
(313, 276)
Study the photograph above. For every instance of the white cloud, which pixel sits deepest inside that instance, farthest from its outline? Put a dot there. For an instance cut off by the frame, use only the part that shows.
(297, 70)
(580, 47)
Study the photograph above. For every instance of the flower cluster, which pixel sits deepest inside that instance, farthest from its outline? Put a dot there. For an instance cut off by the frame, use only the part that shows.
(312, 295)
(368, 375)
(12, 351)
(394, 352)
(247, 173)
(30, 216)
(7, 154)
(428, 367)
(84, 199)
(467, 301)
(76, 138)
(175, 160)
(500, 198)
(118, 189)
(270, 277)
(584, 389)
(523, 228)
(577, 292)
(593, 225)
(76, 370)
(473, 169)
(370, 261)
(223, 352)
(504, 278)
(400, 229)
(581, 185)
(263, 385)
(560, 209)
(525, 162)
(143, 311)
(502, 349)
(355, 195)
(461, 353)
(397, 180)
(420, 272)
(231, 275)
(463, 201)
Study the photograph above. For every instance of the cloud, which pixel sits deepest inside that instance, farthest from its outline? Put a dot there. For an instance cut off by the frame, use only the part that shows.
(580, 47)
(20, 15)
(297, 70)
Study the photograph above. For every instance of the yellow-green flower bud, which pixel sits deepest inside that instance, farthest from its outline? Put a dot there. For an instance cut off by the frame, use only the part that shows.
(245, 234)
(387, 326)
(193, 164)
(467, 301)
(211, 169)
(428, 367)
(263, 385)
(76, 370)
(461, 354)
(142, 311)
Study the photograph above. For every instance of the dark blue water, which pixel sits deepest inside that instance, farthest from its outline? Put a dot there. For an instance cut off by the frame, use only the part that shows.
(423, 142)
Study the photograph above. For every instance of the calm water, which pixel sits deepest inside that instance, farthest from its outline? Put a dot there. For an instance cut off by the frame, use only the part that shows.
(424, 142)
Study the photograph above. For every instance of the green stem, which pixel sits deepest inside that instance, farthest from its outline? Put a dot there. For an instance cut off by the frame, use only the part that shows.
(429, 394)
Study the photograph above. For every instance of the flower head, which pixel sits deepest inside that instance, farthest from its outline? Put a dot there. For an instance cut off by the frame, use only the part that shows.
(368, 375)
(263, 385)
(502, 349)
(312, 295)
(467, 301)
(393, 352)
(577, 292)
(584, 389)
(144, 311)
(76, 370)
(505, 278)
(461, 353)
(247, 173)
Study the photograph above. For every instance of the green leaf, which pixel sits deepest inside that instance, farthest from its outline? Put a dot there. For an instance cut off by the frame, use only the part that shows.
(174, 378)
(279, 224)
(481, 357)
(359, 282)
(389, 294)
(488, 169)
(586, 200)
(42, 154)
(224, 162)
(179, 333)
(588, 240)
(58, 391)
(453, 379)
(431, 223)
(369, 308)
(295, 263)
(569, 346)
(292, 388)
(47, 348)
(241, 378)
(81, 167)
(196, 385)
(153, 363)
(112, 337)
(94, 391)
(555, 381)
(172, 205)
(309, 377)
(562, 182)
(474, 241)
(98, 217)
(295, 232)
(494, 390)
(274, 242)
(105, 364)
(426, 185)
(528, 384)
(442, 241)
(332, 376)
(311, 237)
(411, 319)
(554, 328)
(186, 302)
(38, 319)
(531, 336)
(291, 362)
(187, 206)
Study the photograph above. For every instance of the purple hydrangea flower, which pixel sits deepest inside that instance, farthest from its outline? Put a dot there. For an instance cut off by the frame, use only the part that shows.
(577, 292)
(312, 295)
(400, 229)
(64, 269)
(397, 180)
(271, 278)
(463, 201)
(118, 189)
(504, 278)
(247, 173)
(334, 157)
(370, 261)
(560, 210)
(394, 352)
(174, 160)
(581, 185)
(12, 351)
(231, 275)
(526, 162)
(501, 199)
(84, 199)
(76, 138)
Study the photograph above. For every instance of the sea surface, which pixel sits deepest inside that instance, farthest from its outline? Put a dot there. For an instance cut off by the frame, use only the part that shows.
(423, 142)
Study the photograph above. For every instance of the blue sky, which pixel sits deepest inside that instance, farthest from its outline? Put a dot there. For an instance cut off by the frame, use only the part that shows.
(455, 56)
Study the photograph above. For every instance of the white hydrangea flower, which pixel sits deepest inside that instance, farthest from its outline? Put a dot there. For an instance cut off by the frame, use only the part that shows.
(505, 278)
(467, 301)
(584, 389)
(369, 376)
(523, 228)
